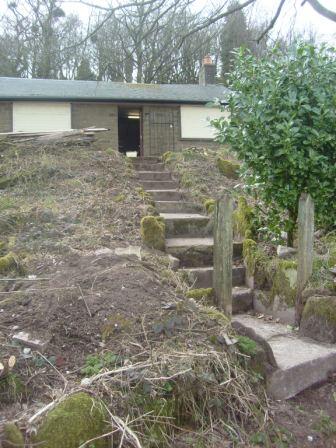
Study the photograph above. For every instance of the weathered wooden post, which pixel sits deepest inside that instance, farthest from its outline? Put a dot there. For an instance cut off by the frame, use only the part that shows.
(305, 249)
(223, 247)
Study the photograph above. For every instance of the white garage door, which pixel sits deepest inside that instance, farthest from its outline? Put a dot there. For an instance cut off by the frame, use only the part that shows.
(195, 121)
(36, 117)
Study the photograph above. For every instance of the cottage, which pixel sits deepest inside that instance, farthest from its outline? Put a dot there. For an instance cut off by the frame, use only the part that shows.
(147, 118)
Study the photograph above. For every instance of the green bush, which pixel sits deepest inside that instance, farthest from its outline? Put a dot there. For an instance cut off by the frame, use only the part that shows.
(282, 127)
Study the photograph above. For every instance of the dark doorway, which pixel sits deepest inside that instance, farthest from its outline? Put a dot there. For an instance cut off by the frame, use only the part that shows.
(129, 131)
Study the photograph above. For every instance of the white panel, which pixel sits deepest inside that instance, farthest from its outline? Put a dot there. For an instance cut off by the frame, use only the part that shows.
(195, 121)
(37, 116)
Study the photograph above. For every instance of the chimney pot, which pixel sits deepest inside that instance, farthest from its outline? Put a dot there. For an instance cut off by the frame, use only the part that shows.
(207, 60)
(207, 72)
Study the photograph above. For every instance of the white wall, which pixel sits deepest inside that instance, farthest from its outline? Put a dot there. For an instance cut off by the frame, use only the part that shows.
(34, 116)
(195, 121)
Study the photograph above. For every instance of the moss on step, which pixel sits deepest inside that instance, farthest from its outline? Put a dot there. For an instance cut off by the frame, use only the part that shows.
(72, 422)
(321, 306)
(319, 318)
(209, 205)
(242, 218)
(228, 168)
(249, 254)
(12, 436)
(200, 293)
(153, 232)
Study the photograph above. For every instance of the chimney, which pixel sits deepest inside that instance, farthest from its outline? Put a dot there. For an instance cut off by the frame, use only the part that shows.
(207, 72)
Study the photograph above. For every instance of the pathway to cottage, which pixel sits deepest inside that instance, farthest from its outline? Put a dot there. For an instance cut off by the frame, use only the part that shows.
(295, 362)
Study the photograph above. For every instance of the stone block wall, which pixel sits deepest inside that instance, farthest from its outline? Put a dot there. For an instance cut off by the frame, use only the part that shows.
(6, 116)
(102, 115)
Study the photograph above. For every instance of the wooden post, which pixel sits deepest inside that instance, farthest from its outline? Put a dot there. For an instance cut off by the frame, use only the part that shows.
(223, 247)
(305, 249)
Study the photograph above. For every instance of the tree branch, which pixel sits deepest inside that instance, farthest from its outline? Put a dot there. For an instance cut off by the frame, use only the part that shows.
(273, 21)
(315, 4)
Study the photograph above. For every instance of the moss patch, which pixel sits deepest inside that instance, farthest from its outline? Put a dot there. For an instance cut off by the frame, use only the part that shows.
(8, 263)
(12, 436)
(153, 232)
(73, 422)
(247, 345)
(201, 293)
(242, 218)
(115, 324)
(319, 318)
(209, 205)
(284, 281)
(228, 168)
(249, 254)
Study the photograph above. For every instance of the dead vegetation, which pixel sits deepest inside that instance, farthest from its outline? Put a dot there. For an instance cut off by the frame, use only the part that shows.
(57, 199)
(193, 165)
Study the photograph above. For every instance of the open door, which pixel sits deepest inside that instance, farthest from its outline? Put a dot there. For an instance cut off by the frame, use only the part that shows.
(130, 131)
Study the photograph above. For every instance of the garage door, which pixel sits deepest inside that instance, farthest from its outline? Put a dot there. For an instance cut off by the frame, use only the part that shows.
(36, 117)
(195, 121)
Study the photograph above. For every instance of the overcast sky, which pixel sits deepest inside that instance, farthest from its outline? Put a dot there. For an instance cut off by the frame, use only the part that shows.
(303, 17)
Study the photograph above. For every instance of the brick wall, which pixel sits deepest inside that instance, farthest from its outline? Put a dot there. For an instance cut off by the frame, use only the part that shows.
(6, 116)
(102, 115)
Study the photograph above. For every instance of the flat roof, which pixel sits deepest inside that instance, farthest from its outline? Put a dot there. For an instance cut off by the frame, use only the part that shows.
(23, 89)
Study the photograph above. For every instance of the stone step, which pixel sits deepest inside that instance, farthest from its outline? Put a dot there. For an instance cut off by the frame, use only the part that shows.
(192, 224)
(145, 166)
(298, 362)
(177, 207)
(154, 175)
(194, 252)
(242, 299)
(166, 195)
(202, 277)
(153, 159)
(159, 185)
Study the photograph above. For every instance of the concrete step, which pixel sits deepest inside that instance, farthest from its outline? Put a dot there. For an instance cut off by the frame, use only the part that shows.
(192, 224)
(298, 362)
(154, 175)
(195, 252)
(177, 207)
(166, 195)
(145, 166)
(202, 277)
(159, 185)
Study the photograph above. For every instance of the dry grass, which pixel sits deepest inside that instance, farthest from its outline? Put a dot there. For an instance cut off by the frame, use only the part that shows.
(193, 166)
(61, 199)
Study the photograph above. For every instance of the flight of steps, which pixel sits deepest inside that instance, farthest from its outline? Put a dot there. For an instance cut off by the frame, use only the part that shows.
(189, 232)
